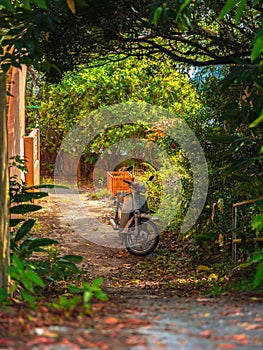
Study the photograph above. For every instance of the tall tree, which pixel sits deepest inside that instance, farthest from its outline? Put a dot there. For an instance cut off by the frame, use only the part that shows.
(4, 233)
(21, 23)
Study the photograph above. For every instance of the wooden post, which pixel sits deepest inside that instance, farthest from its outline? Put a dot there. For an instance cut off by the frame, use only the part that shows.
(4, 183)
(32, 154)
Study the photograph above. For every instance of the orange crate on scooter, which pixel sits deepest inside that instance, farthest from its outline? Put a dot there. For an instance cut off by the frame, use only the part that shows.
(115, 182)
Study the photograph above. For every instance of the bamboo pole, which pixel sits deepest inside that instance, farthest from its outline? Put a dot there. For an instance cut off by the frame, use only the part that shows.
(4, 217)
(236, 240)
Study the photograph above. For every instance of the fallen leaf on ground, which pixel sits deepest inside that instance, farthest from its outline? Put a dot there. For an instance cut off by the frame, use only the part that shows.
(226, 346)
(206, 333)
(111, 320)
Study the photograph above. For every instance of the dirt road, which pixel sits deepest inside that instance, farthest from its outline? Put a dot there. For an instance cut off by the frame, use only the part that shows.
(140, 314)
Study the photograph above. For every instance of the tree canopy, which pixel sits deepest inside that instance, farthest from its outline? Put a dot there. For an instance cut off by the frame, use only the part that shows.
(51, 33)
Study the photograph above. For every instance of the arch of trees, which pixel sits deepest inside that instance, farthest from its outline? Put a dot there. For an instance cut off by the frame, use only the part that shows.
(55, 36)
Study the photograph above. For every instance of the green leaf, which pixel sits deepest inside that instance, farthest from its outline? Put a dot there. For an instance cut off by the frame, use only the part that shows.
(5, 67)
(228, 7)
(28, 196)
(45, 186)
(87, 296)
(71, 266)
(257, 257)
(259, 275)
(97, 282)
(257, 222)
(257, 121)
(15, 222)
(26, 4)
(182, 7)
(28, 297)
(222, 138)
(3, 295)
(7, 5)
(73, 258)
(243, 178)
(240, 10)
(101, 295)
(237, 166)
(257, 45)
(35, 278)
(74, 289)
(41, 242)
(26, 243)
(157, 14)
(17, 263)
(40, 3)
(24, 208)
(24, 229)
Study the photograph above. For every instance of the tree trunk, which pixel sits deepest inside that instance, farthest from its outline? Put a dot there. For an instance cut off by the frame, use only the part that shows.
(4, 217)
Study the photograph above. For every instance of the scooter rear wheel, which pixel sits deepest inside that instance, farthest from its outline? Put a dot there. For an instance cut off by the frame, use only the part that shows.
(145, 241)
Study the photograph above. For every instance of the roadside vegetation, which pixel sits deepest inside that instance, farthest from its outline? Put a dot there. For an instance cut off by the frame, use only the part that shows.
(232, 151)
(127, 54)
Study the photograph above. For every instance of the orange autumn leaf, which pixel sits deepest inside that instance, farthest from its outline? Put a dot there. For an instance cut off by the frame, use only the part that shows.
(72, 6)
(206, 333)
(227, 346)
(111, 320)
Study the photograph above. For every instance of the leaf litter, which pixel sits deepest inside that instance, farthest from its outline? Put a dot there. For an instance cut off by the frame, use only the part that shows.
(155, 302)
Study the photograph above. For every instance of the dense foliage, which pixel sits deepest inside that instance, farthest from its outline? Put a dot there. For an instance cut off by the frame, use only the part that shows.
(219, 114)
(55, 36)
(84, 90)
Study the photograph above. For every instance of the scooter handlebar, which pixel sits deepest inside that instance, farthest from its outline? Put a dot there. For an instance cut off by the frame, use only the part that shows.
(130, 183)
(135, 186)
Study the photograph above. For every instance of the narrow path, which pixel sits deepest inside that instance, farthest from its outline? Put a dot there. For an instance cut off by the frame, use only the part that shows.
(79, 231)
(134, 318)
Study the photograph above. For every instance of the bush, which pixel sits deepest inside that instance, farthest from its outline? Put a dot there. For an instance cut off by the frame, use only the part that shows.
(30, 274)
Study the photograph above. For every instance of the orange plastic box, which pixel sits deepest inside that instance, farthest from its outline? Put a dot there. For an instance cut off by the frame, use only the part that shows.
(115, 182)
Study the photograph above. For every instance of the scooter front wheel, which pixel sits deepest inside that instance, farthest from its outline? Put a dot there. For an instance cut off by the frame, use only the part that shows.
(145, 240)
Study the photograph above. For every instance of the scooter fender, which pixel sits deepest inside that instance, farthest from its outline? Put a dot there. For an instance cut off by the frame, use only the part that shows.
(129, 222)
